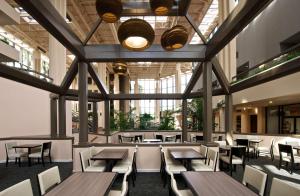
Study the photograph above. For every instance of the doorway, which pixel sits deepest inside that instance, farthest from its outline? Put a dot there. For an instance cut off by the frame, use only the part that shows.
(253, 123)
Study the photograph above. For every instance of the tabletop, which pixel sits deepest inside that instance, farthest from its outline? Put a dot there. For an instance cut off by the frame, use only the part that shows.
(296, 147)
(85, 183)
(151, 140)
(111, 154)
(185, 153)
(27, 146)
(215, 184)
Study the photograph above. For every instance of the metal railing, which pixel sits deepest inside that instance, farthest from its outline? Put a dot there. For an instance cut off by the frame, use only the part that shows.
(279, 60)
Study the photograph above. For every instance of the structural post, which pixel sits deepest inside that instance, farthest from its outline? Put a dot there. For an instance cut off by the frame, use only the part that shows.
(207, 102)
(184, 120)
(107, 119)
(53, 116)
(62, 116)
(95, 116)
(83, 102)
(228, 118)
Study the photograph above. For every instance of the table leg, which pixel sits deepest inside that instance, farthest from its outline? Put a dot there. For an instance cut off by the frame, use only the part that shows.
(189, 165)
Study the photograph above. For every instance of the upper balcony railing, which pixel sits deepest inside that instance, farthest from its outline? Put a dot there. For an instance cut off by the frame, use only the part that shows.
(279, 60)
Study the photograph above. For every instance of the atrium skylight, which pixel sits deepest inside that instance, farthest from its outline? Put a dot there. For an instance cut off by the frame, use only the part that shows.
(207, 22)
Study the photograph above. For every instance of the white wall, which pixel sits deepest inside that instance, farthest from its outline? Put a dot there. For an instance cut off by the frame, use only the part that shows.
(24, 110)
(261, 39)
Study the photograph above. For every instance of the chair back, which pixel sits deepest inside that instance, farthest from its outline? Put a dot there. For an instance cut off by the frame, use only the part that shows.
(174, 186)
(178, 138)
(46, 148)
(22, 188)
(84, 158)
(288, 149)
(238, 152)
(242, 142)
(159, 137)
(162, 157)
(120, 139)
(93, 151)
(170, 139)
(282, 187)
(203, 150)
(212, 158)
(255, 178)
(127, 139)
(9, 148)
(199, 138)
(48, 179)
(138, 138)
(220, 138)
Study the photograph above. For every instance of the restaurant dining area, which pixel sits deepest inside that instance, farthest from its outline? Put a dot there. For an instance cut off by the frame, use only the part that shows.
(149, 97)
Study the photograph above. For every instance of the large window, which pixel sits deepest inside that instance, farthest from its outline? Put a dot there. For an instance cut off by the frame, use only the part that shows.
(168, 86)
(147, 86)
(185, 78)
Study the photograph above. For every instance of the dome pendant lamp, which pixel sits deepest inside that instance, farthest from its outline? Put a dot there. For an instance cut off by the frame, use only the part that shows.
(174, 38)
(136, 34)
(120, 68)
(161, 7)
(109, 10)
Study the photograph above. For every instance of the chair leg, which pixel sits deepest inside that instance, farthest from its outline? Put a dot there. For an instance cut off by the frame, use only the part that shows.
(6, 162)
(50, 159)
(43, 161)
(132, 178)
(38, 160)
(16, 160)
(230, 167)
(19, 160)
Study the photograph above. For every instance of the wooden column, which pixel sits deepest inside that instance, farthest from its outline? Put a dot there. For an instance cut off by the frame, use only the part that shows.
(95, 117)
(53, 116)
(228, 118)
(107, 118)
(62, 116)
(184, 120)
(207, 102)
(83, 102)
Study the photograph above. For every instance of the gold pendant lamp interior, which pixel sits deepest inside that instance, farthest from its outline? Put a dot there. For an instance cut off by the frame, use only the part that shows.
(174, 38)
(120, 68)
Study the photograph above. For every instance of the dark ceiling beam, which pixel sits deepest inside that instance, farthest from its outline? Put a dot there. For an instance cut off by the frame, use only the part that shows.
(144, 96)
(216, 65)
(98, 81)
(113, 53)
(216, 92)
(218, 70)
(267, 76)
(73, 70)
(25, 78)
(47, 16)
(91, 95)
(136, 8)
(236, 21)
(196, 75)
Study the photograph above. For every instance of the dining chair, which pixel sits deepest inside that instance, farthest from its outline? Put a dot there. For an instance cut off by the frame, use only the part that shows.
(283, 187)
(286, 154)
(210, 164)
(125, 188)
(86, 164)
(23, 188)
(170, 139)
(236, 157)
(203, 152)
(138, 138)
(178, 138)
(122, 166)
(120, 139)
(159, 137)
(48, 179)
(45, 151)
(175, 190)
(13, 154)
(127, 139)
(199, 138)
(192, 137)
(245, 142)
(255, 178)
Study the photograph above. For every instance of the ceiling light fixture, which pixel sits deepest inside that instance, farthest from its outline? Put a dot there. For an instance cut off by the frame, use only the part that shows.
(136, 34)
(120, 68)
(161, 7)
(109, 10)
(174, 38)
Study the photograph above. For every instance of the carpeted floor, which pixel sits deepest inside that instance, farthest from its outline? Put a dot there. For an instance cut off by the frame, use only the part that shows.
(146, 183)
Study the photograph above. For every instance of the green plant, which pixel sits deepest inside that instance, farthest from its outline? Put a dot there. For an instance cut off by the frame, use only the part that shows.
(122, 121)
(167, 120)
(145, 121)
(195, 114)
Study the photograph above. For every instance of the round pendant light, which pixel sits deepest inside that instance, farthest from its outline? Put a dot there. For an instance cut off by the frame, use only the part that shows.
(174, 38)
(120, 68)
(109, 10)
(136, 34)
(161, 7)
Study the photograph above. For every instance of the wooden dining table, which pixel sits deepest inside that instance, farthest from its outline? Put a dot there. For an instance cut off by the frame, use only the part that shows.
(111, 156)
(215, 184)
(85, 184)
(29, 148)
(185, 155)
